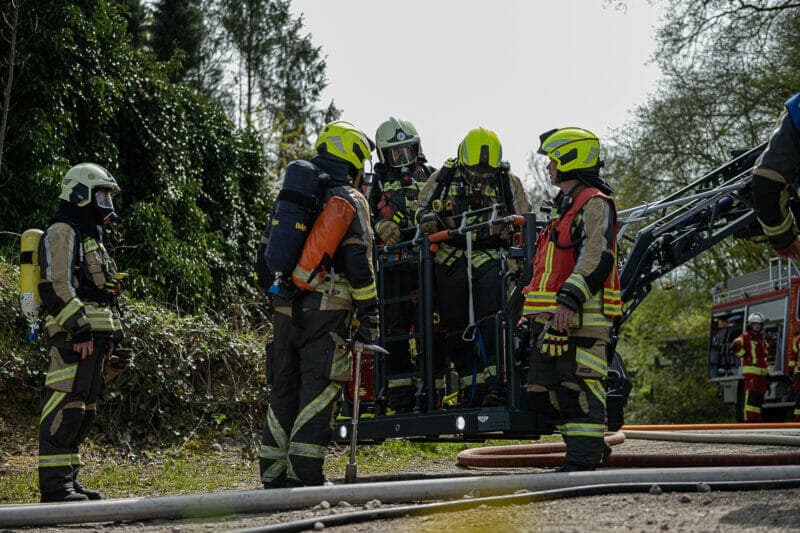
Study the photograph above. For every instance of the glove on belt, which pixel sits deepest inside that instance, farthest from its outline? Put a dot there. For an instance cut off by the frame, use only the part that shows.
(554, 343)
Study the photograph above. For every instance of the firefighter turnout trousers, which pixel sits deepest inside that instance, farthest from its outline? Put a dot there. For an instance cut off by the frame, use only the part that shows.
(755, 385)
(72, 387)
(569, 391)
(476, 361)
(306, 365)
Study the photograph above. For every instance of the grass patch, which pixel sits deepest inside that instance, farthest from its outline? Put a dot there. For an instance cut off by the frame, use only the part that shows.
(198, 466)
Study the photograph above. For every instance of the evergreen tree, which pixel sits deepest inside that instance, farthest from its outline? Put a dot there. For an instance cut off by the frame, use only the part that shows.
(281, 73)
(177, 33)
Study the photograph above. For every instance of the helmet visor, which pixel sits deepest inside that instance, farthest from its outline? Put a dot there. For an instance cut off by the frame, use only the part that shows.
(401, 156)
(480, 172)
(103, 200)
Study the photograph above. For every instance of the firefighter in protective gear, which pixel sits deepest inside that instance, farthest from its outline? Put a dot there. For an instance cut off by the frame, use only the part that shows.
(78, 288)
(793, 371)
(775, 177)
(476, 179)
(573, 298)
(751, 347)
(309, 357)
(400, 173)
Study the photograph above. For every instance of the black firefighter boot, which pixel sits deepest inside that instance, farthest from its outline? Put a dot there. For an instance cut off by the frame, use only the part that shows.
(55, 485)
(90, 494)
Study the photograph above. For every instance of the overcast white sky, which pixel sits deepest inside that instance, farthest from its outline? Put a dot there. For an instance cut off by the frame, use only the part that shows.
(518, 67)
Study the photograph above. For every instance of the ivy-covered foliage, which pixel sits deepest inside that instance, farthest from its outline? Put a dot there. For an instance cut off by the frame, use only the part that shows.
(188, 371)
(195, 188)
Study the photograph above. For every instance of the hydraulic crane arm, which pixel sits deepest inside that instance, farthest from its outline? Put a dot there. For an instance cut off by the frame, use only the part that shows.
(685, 224)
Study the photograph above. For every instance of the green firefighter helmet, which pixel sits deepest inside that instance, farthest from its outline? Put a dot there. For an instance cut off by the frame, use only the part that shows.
(398, 143)
(82, 182)
(343, 140)
(480, 149)
(571, 148)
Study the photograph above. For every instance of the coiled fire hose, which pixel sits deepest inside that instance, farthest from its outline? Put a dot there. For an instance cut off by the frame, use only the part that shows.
(548, 455)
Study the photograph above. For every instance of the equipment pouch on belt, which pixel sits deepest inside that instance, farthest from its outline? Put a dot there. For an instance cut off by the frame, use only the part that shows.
(338, 363)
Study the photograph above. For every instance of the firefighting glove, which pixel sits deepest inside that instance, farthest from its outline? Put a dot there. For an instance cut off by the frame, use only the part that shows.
(554, 342)
(368, 331)
(388, 231)
(428, 222)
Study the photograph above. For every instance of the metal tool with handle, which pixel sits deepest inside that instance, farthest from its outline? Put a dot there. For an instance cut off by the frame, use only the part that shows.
(352, 468)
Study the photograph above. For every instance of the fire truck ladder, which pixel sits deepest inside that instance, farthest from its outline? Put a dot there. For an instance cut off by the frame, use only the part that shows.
(685, 224)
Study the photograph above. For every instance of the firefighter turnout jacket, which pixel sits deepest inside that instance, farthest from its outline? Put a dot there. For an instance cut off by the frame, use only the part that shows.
(450, 192)
(77, 287)
(776, 170)
(575, 264)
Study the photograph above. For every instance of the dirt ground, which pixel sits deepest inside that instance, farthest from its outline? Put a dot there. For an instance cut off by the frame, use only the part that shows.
(771, 510)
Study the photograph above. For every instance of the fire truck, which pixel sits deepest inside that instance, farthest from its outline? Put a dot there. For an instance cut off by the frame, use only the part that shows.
(654, 239)
(774, 292)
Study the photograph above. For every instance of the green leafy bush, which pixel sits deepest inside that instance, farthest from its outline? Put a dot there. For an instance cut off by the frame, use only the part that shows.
(195, 188)
(189, 371)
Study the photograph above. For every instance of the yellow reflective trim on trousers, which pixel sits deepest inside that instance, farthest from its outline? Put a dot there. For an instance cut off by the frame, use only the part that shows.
(276, 430)
(577, 281)
(62, 375)
(90, 245)
(490, 371)
(274, 470)
(597, 389)
(365, 293)
(51, 404)
(55, 460)
(315, 406)
(755, 370)
(304, 449)
(271, 452)
(466, 381)
(401, 382)
(76, 459)
(341, 365)
(577, 429)
(783, 227)
(590, 360)
(72, 307)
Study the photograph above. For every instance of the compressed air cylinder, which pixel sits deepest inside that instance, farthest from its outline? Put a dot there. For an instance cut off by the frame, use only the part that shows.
(29, 277)
(293, 216)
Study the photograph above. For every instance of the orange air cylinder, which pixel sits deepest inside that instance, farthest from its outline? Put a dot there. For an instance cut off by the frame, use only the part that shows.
(321, 243)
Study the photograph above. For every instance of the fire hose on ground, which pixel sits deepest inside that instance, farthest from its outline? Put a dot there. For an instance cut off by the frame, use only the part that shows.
(549, 455)
(227, 503)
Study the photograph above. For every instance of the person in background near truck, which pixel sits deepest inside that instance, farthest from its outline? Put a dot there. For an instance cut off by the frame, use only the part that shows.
(399, 175)
(793, 371)
(309, 358)
(751, 347)
(573, 298)
(78, 287)
(776, 171)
